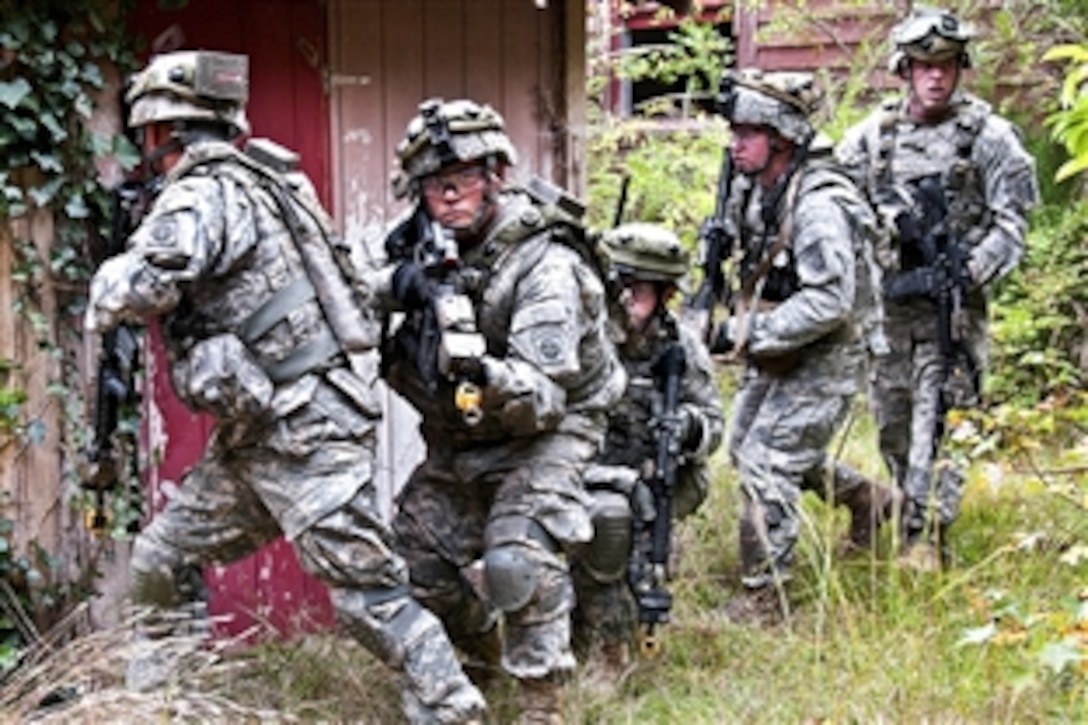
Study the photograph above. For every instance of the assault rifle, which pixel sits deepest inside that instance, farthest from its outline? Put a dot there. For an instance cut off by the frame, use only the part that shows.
(942, 277)
(647, 572)
(442, 337)
(118, 361)
(716, 243)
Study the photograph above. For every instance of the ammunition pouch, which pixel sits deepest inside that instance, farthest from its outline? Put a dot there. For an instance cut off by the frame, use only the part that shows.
(220, 375)
(778, 364)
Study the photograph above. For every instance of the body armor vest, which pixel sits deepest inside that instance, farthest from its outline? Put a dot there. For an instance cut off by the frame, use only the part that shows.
(907, 153)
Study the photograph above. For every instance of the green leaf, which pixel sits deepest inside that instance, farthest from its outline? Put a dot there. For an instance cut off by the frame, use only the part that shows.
(47, 162)
(54, 127)
(49, 31)
(76, 207)
(126, 153)
(1071, 168)
(12, 93)
(43, 194)
(92, 75)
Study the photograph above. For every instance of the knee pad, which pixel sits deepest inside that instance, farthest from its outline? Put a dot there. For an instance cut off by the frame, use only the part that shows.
(605, 558)
(512, 576)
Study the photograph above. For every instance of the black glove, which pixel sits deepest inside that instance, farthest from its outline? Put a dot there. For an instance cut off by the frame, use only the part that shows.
(712, 228)
(411, 286)
(908, 230)
(920, 282)
(684, 427)
(721, 340)
(471, 369)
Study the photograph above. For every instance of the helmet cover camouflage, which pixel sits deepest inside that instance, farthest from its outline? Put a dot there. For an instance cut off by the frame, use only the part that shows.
(191, 85)
(445, 133)
(929, 34)
(780, 100)
(646, 252)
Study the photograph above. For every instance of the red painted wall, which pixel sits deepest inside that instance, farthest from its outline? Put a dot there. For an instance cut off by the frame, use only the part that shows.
(286, 44)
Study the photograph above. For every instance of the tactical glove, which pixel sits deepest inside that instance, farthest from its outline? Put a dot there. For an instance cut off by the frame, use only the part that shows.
(472, 369)
(411, 286)
(721, 340)
(684, 427)
(713, 230)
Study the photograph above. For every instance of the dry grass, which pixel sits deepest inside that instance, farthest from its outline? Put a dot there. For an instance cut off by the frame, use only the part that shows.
(69, 678)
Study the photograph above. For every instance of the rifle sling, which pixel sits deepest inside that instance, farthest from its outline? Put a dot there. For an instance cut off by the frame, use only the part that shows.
(752, 287)
(276, 308)
(312, 356)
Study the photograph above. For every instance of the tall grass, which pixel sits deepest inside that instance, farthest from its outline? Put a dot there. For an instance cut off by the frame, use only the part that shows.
(1001, 636)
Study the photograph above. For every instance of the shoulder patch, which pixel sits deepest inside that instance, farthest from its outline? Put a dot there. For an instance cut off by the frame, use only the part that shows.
(549, 345)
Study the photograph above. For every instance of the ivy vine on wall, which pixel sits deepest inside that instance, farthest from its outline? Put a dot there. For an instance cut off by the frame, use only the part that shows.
(52, 59)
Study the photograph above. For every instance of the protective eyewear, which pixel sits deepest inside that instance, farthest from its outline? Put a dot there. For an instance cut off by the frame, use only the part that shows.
(460, 181)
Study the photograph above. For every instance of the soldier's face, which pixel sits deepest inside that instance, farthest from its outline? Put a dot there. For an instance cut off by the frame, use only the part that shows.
(750, 148)
(640, 299)
(456, 196)
(932, 83)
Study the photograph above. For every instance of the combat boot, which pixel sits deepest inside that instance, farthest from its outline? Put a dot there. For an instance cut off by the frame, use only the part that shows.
(607, 666)
(483, 659)
(167, 645)
(925, 553)
(917, 548)
(921, 556)
(540, 701)
(759, 607)
(870, 505)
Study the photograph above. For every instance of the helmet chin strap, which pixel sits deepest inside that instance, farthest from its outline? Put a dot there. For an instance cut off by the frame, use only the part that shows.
(162, 151)
(182, 135)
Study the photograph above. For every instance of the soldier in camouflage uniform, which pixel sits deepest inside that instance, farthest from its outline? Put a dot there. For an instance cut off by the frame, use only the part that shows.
(488, 518)
(988, 179)
(804, 314)
(238, 262)
(647, 264)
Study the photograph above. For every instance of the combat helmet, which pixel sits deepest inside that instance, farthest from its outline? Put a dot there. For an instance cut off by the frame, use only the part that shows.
(780, 100)
(929, 34)
(191, 86)
(645, 251)
(445, 133)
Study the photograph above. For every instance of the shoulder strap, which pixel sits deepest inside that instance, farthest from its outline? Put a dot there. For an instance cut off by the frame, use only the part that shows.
(752, 287)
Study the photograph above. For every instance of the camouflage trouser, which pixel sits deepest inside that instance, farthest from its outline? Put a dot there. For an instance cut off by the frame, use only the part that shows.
(905, 389)
(222, 513)
(458, 505)
(778, 441)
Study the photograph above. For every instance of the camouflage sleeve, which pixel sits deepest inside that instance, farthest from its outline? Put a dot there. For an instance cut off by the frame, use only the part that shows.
(182, 238)
(553, 307)
(1011, 190)
(824, 262)
(700, 394)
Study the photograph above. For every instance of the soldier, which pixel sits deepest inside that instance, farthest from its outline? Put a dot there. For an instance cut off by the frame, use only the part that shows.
(647, 264)
(237, 260)
(504, 352)
(971, 161)
(803, 318)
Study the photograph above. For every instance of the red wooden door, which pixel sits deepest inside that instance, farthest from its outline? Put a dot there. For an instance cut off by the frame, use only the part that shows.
(285, 41)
